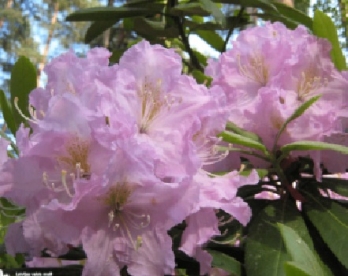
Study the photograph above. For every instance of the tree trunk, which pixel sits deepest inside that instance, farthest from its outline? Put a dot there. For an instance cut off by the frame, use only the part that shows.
(106, 35)
(49, 39)
(8, 5)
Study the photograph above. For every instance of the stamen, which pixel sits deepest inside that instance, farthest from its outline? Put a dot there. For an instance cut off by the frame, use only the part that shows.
(33, 120)
(255, 70)
(309, 83)
(65, 185)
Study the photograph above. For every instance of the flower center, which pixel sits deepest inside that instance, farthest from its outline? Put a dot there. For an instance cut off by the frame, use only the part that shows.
(153, 104)
(76, 157)
(124, 219)
(308, 84)
(255, 69)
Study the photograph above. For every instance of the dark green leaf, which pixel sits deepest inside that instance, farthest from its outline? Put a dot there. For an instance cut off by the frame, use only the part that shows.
(7, 113)
(207, 26)
(338, 185)
(226, 262)
(212, 38)
(116, 55)
(294, 14)
(301, 254)
(277, 18)
(153, 30)
(263, 4)
(201, 78)
(312, 145)
(107, 14)
(97, 28)
(293, 269)
(184, 9)
(297, 113)
(325, 28)
(331, 220)
(265, 253)
(237, 139)
(215, 11)
(23, 81)
(233, 127)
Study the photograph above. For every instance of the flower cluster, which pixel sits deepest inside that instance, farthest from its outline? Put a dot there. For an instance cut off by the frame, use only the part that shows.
(115, 157)
(271, 71)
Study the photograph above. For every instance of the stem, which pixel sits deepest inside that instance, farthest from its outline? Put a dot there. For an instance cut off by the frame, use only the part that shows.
(184, 38)
(230, 31)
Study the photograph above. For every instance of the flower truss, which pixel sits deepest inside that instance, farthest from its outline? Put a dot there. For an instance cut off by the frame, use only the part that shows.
(270, 72)
(115, 157)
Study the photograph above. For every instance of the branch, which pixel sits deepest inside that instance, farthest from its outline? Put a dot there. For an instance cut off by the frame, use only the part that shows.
(49, 39)
(184, 38)
(230, 31)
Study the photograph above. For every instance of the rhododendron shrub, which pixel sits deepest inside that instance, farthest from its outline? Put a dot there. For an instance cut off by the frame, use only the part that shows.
(115, 158)
(148, 172)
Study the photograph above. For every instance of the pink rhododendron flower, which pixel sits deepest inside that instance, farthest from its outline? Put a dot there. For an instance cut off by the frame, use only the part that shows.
(269, 72)
(117, 156)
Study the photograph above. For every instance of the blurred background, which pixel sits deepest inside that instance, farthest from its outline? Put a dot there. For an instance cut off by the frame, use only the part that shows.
(38, 29)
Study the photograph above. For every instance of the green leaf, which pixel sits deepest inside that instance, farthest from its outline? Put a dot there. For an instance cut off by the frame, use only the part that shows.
(183, 9)
(106, 14)
(97, 28)
(212, 38)
(293, 269)
(303, 256)
(297, 113)
(294, 14)
(263, 4)
(7, 113)
(338, 185)
(226, 262)
(237, 139)
(265, 252)
(23, 81)
(116, 55)
(277, 17)
(233, 127)
(331, 220)
(153, 30)
(207, 26)
(325, 28)
(215, 11)
(201, 78)
(312, 145)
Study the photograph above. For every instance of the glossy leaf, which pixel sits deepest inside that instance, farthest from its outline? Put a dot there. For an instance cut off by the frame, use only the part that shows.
(116, 55)
(263, 4)
(331, 220)
(215, 11)
(212, 38)
(106, 14)
(293, 269)
(201, 78)
(265, 252)
(338, 185)
(301, 254)
(153, 30)
(237, 139)
(312, 145)
(23, 81)
(276, 17)
(294, 14)
(297, 113)
(7, 113)
(183, 9)
(233, 127)
(97, 28)
(226, 262)
(325, 28)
